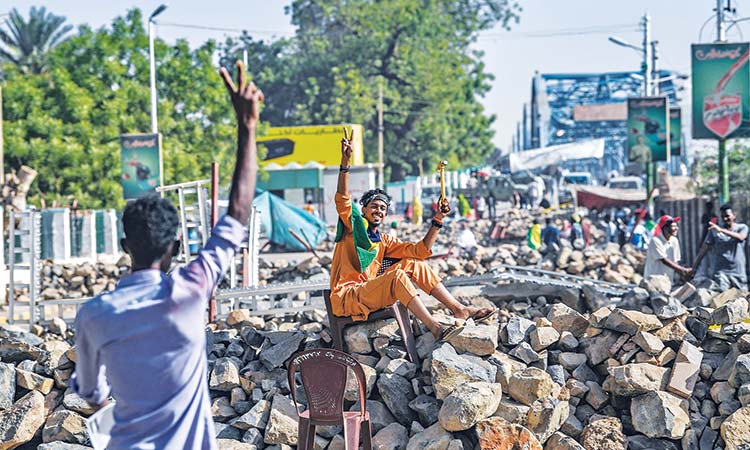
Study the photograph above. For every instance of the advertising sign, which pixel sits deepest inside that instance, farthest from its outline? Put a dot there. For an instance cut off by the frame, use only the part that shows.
(648, 129)
(141, 164)
(675, 131)
(318, 143)
(721, 85)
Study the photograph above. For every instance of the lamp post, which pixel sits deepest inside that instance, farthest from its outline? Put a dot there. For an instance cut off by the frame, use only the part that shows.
(151, 25)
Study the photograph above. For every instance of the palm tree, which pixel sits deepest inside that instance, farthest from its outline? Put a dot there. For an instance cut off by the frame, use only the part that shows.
(26, 44)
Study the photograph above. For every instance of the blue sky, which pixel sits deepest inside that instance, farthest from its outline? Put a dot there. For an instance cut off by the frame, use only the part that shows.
(511, 56)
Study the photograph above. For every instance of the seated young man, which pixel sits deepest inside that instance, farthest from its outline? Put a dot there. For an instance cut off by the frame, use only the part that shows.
(357, 290)
(145, 342)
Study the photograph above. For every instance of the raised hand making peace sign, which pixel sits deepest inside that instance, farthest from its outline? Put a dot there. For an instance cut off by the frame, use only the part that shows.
(346, 147)
(246, 98)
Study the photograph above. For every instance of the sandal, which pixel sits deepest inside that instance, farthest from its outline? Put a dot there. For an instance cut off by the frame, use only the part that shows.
(480, 318)
(449, 333)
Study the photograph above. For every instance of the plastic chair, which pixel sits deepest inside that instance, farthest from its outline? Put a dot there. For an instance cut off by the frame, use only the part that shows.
(324, 373)
(397, 311)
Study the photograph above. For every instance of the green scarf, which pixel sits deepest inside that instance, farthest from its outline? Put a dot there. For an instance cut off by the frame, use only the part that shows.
(366, 249)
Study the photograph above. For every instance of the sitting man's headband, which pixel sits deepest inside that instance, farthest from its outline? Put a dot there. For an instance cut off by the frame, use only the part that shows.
(370, 196)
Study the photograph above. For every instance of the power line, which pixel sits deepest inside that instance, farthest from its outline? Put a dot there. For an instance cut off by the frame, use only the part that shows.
(224, 29)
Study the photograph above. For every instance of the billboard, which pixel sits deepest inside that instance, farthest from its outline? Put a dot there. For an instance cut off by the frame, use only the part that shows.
(600, 112)
(141, 164)
(648, 129)
(318, 143)
(721, 81)
(675, 132)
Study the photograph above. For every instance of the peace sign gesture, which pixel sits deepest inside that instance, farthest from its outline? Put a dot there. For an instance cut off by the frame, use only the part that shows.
(346, 146)
(246, 98)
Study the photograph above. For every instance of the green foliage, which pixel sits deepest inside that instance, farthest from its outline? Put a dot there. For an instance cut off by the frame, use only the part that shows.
(420, 52)
(66, 123)
(27, 43)
(739, 172)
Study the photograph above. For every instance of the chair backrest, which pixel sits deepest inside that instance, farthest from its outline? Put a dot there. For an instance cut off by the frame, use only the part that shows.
(386, 264)
(324, 374)
(327, 300)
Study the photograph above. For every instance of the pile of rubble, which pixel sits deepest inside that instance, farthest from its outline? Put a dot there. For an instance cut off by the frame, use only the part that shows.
(68, 280)
(574, 369)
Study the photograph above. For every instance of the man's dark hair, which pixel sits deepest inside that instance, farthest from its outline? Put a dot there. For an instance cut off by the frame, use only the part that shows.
(150, 225)
(368, 196)
(548, 220)
(725, 207)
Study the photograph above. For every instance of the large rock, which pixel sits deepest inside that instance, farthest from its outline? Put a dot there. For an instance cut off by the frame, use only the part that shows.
(7, 385)
(659, 414)
(393, 437)
(740, 373)
(257, 417)
(657, 283)
(282, 422)
(529, 385)
(597, 347)
(648, 343)
(735, 430)
(380, 417)
(543, 337)
(480, 340)
(512, 411)
(506, 366)
(357, 339)
(278, 353)
(397, 392)
(19, 423)
(732, 312)
(604, 433)
(426, 407)
(631, 322)
(468, 404)
(225, 375)
(516, 330)
(635, 379)
(685, 370)
(432, 438)
(496, 433)
(33, 381)
(565, 318)
(560, 441)
(725, 297)
(351, 392)
(449, 369)
(546, 416)
(66, 426)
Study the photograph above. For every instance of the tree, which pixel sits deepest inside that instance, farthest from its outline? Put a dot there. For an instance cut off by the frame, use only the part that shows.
(27, 44)
(330, 70)
(66, 123)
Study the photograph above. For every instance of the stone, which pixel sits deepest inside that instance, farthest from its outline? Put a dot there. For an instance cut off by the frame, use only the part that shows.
(393, 437)
(275, 355)
(512, 411)
(506, 366)
(708, 438)
(568, 341)
(225, 431)
(282, 422)
(231, 444)
(222, 410)
(743, 394)
(254, 437)
(546, 416)
(597, 347)
(598, 317)
(667, 307)
(725, 297)
(7, 385)
(560, 441)
(572, 426)
(529, 385)
(397, 393)
(634, 379)
(735, 430)
(351, 392)
(557, 372)
(657, 283)
(570, 360)
(449, 369)
(432, 438)
(604, 433)
(480, 340)
(225, 375)
(565, 318)
(697, 328)
(495, 433)
(596, 397)
(33, 381)
(740, 373)
(516, 329)
(525, 353)
(658, 414)
(631, 322)
(74, 402)
(648, 342)
(257, 417)
(543, 337)
(19, 423)
(401, 367)
(734, 311)
(468, 404)
(66, 426)
(686, 370)
(426, 407)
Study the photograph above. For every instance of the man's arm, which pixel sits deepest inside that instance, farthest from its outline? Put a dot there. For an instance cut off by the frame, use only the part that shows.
(346, 155)
(443, 210)
(89, 380)
(673, 265)
(701, 253)
(246, 99)
(739, 235)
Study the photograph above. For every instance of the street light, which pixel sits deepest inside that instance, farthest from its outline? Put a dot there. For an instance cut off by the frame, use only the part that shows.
(622, 43)
(151, 24)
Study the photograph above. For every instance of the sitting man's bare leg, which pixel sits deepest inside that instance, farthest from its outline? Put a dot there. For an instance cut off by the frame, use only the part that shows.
(416, 306)
(443, 295)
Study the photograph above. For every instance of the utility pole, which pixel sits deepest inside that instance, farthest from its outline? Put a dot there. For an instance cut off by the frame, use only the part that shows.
(647, 66)
(721, 36)
(381, 179)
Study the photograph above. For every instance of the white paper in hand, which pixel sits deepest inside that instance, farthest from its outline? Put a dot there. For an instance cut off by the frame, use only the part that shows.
(99, 426)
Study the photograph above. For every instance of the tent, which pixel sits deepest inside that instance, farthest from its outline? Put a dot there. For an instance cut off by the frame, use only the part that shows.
(278, 216)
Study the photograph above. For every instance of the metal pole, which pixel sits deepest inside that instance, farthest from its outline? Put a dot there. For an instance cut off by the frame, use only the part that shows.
(244, 58)
(721, 33)
(721, 36)
(647, 88)
(381, 180)
(214, 219)
(154, 125)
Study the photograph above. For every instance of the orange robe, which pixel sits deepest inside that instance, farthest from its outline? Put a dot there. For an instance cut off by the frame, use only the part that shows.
(355, 294)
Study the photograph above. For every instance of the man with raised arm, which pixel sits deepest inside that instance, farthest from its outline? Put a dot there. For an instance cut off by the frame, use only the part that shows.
(728, 246)
(144, 342)
(356, 287)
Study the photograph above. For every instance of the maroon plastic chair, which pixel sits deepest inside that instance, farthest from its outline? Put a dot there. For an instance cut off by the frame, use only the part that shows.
(397, 311)
(324, 373)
